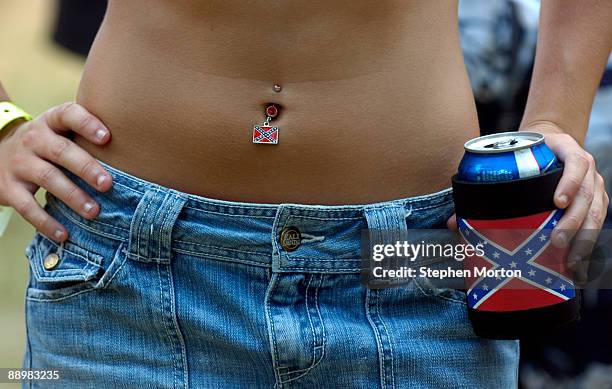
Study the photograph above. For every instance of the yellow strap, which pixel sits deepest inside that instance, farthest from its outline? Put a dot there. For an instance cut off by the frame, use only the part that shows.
(9, 112)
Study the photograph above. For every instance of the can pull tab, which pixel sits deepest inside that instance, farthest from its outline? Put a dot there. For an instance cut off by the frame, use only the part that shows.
(502, 144)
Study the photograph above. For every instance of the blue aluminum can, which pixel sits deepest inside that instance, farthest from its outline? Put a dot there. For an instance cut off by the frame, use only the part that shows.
(506, 156)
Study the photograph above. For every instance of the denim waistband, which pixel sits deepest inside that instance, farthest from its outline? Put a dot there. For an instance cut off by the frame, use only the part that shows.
(156, 222)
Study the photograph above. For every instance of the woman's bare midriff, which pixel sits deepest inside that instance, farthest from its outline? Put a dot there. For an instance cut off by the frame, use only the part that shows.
(375, 100)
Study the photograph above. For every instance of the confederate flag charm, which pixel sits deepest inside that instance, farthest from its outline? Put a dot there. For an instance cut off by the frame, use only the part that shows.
(265, 135)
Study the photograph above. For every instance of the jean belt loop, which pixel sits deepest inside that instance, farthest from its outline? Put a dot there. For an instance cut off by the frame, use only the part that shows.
(152, 224)
(386, 223)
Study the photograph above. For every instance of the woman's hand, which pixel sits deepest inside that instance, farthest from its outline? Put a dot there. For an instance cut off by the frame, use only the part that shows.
(581, 192)
(28, 154)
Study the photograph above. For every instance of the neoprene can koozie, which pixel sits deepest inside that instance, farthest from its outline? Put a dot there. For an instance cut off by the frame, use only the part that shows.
(520, 286)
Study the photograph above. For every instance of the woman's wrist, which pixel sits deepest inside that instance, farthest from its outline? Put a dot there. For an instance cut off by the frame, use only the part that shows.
(11, 127)
(545, 127)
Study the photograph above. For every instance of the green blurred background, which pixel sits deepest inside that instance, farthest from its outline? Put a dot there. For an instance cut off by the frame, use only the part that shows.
(37, 74)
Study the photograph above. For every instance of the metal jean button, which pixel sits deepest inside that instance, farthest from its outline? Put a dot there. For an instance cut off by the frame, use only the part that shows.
(290, 238)
(51, 261)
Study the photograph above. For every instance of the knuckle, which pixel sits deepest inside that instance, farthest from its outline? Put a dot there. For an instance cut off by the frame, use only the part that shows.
(73, 195)
(589, 158)
(574, 181)
(85, 121)
(59, 148)
(586, 192)
(86, 168)
(45, 176)
(70, 108)
(29, 139)
(597, 215)
(572, 222)
(22, 205)
(581, 159)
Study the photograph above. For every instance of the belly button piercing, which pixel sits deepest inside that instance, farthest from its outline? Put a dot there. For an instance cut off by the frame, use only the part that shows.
(277, 88)
(265, 133)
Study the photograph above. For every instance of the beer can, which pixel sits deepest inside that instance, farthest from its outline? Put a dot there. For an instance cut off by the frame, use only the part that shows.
(506, 156)
(503, 193)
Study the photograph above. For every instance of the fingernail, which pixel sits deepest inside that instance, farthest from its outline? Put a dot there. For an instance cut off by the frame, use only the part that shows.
(563, 199)
(88, 207)
(58, 234)
(100, 134)
(101, 180)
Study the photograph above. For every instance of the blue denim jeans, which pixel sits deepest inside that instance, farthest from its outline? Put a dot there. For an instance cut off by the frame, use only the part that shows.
(170, 290)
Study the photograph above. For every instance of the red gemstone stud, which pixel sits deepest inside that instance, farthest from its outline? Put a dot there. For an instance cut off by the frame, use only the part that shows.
(271, 110)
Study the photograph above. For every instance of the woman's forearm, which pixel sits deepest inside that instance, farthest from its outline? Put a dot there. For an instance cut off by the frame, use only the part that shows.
(574, 43)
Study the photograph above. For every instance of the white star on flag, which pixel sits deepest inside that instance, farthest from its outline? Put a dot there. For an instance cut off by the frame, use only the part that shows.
(562, 287)
(532, 272)
(496, 255)
(554, 223)
(485, 287)
(513, 264)
(475, 296)
(528, 251)
(548, 280)
(542, 237)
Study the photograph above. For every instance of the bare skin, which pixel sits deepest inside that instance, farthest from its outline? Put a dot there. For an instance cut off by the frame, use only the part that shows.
(375, 101)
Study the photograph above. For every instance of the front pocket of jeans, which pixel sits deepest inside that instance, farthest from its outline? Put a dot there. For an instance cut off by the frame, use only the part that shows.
(60, 271)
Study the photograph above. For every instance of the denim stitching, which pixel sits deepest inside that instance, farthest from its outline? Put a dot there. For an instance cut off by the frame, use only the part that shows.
(314, 336)
(292, 258)
(272, 340)
(177, 329)
(221, 248)
(28, 343)
(120, 251)
(388, 338)
(322, 218)
(433, 206)
(323, 270)
(162, 229)
(75, 277)
(140, 224)
(162, 303)
(322, 346)
(89, 289)
(381, 363)
(320, 316)
(128, 188)
(221, 258)
(94, 255)
(229, 214)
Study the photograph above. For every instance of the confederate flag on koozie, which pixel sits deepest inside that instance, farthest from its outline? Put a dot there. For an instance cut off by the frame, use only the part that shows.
(521, 243)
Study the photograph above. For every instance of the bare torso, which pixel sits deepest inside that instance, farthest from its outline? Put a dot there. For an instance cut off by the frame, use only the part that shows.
(375, 101)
